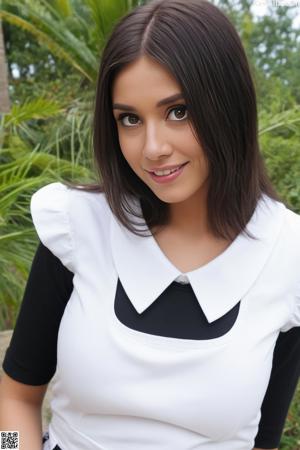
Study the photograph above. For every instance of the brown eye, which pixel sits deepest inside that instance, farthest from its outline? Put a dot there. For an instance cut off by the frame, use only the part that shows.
(180, 113)
(132, 120)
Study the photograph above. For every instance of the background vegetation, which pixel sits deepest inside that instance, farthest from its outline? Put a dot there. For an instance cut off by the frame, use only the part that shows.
(53, 48)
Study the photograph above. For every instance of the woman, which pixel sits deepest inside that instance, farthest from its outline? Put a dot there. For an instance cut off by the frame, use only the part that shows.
(158, 299)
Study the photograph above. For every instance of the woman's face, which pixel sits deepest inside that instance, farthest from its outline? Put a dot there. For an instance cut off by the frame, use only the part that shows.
(155, 134)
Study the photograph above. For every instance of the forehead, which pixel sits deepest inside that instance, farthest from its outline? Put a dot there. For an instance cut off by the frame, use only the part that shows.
(144, 78)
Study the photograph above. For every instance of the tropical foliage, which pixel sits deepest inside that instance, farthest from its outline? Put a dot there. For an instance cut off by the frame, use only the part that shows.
(44, 139)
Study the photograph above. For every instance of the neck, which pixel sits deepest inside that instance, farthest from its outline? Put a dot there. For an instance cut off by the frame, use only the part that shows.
(190, 217)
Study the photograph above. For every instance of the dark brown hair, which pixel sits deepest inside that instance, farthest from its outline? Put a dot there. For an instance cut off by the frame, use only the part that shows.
(200, 47)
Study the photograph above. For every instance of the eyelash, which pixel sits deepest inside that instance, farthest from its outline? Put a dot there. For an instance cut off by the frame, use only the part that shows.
(123, 115)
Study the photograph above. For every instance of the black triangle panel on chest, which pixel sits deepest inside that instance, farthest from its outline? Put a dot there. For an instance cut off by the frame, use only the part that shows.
(175, 313)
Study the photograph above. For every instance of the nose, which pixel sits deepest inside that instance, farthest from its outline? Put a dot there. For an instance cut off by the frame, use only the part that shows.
(156, 145)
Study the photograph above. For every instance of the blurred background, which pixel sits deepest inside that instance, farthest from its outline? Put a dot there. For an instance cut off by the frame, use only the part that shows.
(49, 57)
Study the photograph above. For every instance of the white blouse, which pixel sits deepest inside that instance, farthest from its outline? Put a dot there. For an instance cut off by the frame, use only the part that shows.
(116, 388)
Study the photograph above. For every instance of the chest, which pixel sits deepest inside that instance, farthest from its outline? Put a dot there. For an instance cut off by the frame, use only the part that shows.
(135, 374)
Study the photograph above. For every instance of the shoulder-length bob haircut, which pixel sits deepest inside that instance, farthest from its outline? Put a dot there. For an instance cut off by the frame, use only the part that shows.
(199, 46)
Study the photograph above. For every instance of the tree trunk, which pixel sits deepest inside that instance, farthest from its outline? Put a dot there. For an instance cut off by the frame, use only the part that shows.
(4, 96)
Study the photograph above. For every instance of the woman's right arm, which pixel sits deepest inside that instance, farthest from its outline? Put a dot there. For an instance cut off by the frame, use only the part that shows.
(20, 410)
(30, 360)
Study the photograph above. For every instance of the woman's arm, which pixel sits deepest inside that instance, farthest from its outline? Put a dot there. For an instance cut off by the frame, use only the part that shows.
(20, 410)
(282, 385)
(30, 360)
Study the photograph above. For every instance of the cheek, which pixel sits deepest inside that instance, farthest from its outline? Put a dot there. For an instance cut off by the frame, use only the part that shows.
(131, 156)
(130, 148)
(188, 144)
(202, 162)
(123, 143)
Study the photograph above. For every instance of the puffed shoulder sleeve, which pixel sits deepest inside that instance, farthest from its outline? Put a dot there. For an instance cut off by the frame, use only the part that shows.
(50, 212)
(294, 320)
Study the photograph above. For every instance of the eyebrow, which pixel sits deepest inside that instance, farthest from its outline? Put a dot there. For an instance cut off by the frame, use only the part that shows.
(164, 101)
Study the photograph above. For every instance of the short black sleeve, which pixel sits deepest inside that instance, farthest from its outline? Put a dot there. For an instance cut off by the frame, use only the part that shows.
(282, 385)
(31, 355)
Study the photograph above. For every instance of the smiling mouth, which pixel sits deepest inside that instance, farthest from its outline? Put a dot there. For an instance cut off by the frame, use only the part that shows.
(169, 176)
(165, 172)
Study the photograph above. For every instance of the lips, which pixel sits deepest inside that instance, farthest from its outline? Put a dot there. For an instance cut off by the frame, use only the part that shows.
(156, 169)
(168, 178)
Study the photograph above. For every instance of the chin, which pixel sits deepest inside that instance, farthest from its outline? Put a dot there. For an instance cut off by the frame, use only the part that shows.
(171, 198)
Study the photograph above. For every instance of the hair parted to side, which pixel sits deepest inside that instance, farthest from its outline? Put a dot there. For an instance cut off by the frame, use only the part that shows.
(200, 47)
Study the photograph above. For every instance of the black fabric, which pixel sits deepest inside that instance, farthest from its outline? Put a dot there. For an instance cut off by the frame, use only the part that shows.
(281, 388)
(31, 356)
(180, 318)
(46, 437)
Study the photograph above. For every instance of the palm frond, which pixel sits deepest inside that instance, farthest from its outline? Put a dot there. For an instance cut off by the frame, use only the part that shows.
(63, 7)
(286, 119)
(39, 108)
(58, 39)
(106, 13)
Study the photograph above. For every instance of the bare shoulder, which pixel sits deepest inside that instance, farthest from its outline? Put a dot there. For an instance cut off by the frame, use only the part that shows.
(14, 390)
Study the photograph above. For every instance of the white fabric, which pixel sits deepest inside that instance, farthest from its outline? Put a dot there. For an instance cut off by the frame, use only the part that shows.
(183, 279)
(120, 389)
(46, 446)
(51, 220)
